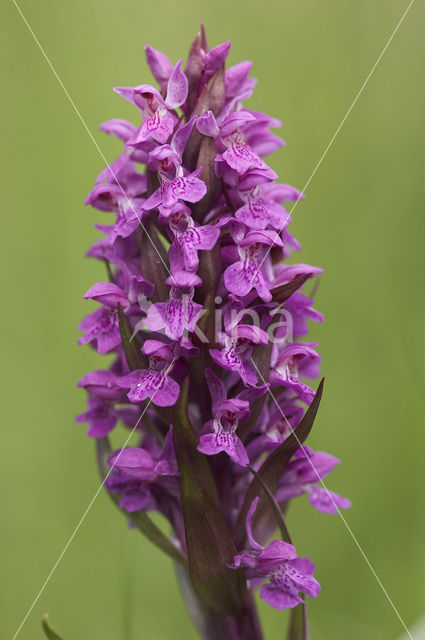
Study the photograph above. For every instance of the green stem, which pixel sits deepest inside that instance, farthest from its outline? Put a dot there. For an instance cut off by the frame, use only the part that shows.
(216, 626)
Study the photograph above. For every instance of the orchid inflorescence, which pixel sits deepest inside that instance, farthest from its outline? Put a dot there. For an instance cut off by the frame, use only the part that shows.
(204, 318)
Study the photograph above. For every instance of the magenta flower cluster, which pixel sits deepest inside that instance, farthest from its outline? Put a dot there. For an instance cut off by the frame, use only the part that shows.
(206, 321)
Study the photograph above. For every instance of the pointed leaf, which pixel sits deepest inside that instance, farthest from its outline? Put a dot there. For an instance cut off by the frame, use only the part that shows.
(275, 464)
(204, 43)
(284, 291)
(139, 518)
(131, 343)
(52, 635)
(155, 266)
(153, 182)
(298, 624)
(261, 361)
(186, 443)
(210, 547)
(156, 536)
(274, 505)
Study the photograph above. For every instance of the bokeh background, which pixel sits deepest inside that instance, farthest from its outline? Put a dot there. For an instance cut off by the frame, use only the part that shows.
(362, 221)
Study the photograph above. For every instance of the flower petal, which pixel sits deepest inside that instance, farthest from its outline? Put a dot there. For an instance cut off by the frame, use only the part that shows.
(177, 87)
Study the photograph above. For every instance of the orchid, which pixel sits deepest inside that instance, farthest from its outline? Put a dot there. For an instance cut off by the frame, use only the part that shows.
(304, 474)
(226, 416)
(288, 575)
(204, 374)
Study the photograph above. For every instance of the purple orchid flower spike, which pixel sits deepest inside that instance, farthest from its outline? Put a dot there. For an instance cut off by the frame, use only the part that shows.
(203, 316)
(288, 575)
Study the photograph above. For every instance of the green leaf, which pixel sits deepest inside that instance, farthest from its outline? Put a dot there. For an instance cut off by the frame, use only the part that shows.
(298, 624)
(186, 444)
(284, 291)
(131, 344)
(276, 463)
(209, 544)
(210, 548)
(153, 182)
(140, 519)
(274, 505)
(261, 361)
(52, 635)
(154, 261)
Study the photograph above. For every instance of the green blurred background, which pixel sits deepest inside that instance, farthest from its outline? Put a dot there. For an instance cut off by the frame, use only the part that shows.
(362, 221)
